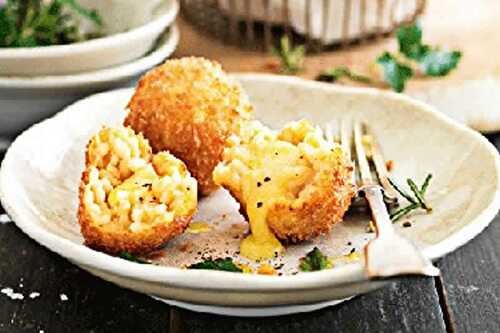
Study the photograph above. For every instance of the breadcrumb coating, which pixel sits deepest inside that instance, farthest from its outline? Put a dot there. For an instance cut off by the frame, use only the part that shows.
(310, 179)
(189, 107)
(130, 199)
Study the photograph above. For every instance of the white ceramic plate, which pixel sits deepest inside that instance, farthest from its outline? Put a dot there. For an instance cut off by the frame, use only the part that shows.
(24, 101)
(94, 54)
(475, 103)
(41, 171)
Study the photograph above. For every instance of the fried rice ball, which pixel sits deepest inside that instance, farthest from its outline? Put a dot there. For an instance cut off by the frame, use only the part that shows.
(130, 199)
(293, 185)
(189, 107)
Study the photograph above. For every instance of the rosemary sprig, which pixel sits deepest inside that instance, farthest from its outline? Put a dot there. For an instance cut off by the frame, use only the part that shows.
(425, 185)
(417, 201)
(292, 58)
(402, 192)
(418, 195)
(398, 214)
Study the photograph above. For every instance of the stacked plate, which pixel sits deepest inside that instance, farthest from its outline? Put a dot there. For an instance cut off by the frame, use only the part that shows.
(37, 82)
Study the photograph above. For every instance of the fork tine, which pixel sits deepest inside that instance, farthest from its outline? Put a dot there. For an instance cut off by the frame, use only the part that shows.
(364, 166)
(329, 133)
(381, 169)
(345, 138)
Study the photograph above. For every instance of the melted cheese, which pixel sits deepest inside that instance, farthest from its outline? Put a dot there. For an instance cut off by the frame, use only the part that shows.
(198, 227)
(265, 170)
(277, 175)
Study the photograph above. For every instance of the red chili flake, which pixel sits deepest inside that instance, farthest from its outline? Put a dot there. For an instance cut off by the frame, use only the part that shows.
(389, 165)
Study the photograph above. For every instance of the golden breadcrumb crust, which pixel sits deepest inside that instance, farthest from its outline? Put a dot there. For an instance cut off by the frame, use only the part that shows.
(323, 208)
(328, 196)
(114, 242)
(117, 238)
(189, 107)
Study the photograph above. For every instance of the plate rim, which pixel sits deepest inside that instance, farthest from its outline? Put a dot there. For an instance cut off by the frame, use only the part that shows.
(206, 280)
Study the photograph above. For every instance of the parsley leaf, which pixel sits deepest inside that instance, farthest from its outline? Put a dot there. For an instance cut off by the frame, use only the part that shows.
(337, 73)
(130, 257)
(292, 58)
(395, 73)
(433, 62)
(315, 260)
(410, 41)
(439, 63)
(221, 264)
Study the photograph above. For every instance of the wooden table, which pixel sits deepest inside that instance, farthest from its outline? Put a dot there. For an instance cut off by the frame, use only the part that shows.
(465, 299)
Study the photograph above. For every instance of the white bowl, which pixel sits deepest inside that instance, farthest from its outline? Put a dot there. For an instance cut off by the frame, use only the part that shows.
(24, 101)
(41, 171)
(93, 54)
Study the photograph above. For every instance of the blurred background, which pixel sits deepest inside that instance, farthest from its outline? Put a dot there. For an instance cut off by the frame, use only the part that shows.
(110, 44)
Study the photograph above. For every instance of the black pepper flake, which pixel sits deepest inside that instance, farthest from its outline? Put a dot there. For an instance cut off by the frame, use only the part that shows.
(349, 243)
(188, 188)
(301, 157)
(267, 179)
(259, 184)
(276, 153)
(259, 204)
(352, 251)
(407, 224)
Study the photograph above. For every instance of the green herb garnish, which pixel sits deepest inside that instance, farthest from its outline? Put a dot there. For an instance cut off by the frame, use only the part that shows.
(395, 73)
(31, 23)
(432, 60)
(337, 73)
(410, 41)
(315, 260)
(439, 63)
(130, 257)
(414, 57)
(221, 264)
(292, 58)
(417, 201)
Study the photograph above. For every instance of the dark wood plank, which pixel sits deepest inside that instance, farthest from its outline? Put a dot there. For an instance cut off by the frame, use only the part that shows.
(471, 286)
(407, 306)
(92, 306)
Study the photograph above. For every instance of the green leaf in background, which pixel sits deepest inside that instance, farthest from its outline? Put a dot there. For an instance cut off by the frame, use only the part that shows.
(439, 63)
(337, 73)
(30, 23)
(410, 41)
(315, 260)
(130, 257)
(292, 58)
(221, 264)
(433, 62)
(90, 14)
(395, 73)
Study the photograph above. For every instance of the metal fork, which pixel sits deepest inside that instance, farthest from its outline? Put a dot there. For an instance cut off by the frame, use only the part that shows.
(389, 254)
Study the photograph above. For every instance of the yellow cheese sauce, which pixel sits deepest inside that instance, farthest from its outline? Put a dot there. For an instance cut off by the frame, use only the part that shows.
(275, 175)
(198, 227)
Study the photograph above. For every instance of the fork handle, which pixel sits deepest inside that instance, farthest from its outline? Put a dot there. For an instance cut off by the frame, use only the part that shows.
(375, 196)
